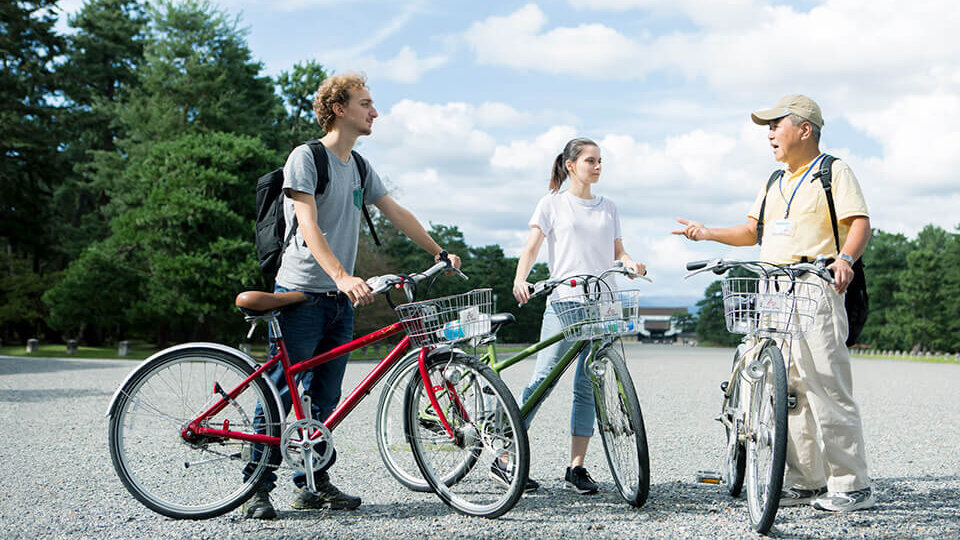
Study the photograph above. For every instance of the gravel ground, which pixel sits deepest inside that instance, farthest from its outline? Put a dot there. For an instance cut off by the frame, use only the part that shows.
(60, 482)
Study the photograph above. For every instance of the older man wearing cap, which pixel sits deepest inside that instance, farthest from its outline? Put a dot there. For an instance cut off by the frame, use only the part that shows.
(826, 459)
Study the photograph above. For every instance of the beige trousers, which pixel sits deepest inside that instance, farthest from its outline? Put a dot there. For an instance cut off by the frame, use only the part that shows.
(825, 441)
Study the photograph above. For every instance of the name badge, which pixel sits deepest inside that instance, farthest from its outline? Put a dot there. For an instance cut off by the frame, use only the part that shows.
(782, 227)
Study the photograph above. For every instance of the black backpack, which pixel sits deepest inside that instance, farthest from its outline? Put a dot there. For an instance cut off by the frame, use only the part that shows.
(272, 236)
(856, 301)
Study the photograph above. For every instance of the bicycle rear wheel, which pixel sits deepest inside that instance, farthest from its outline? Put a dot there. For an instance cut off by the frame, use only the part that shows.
(392, 440)
(732, 415)
(621, 426)
(486, 426)
(766, 437)
(202, 477)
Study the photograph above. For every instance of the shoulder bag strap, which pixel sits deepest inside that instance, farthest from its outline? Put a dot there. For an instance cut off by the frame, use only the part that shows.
(825, 174)
(773, 178)
(362, 169)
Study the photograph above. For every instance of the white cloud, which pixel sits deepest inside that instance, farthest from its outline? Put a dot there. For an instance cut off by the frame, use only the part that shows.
(517, 41)
(703, 13)
(406, 67)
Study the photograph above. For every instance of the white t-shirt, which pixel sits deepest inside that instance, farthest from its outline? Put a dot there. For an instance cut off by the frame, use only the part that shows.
(580, 236)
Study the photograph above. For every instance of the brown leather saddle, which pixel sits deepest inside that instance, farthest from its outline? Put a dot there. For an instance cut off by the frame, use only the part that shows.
(258, 303)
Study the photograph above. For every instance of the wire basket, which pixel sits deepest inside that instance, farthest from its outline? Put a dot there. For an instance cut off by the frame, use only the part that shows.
(599, 314)
(449, 319)
(769, 305)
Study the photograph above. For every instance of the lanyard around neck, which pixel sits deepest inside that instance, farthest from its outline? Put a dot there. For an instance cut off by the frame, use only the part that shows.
(800, 183)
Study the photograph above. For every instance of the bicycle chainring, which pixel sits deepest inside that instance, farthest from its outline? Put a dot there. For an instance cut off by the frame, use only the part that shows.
(303, 438)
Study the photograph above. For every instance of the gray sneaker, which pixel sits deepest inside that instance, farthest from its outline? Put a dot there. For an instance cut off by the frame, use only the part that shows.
(846, 502)
(327, 496)
(259, 507)
(795, 496)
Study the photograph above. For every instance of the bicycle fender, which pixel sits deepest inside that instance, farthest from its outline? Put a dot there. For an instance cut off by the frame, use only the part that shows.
(197, 345)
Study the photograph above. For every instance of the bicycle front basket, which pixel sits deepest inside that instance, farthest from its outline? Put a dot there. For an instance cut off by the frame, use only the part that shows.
(769, 305)
(449, 319)
(599, 314)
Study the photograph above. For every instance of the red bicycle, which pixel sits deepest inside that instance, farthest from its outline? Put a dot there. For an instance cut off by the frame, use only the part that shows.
(183, 427)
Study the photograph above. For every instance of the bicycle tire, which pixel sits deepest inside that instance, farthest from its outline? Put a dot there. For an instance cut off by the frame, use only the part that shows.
(392, 440)
(487, 424)
(767, 441)
(157, 465)
(620, 423)
(735, 461)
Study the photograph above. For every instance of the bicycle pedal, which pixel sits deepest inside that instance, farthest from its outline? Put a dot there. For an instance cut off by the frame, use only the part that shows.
(791, 400)
(709, 477)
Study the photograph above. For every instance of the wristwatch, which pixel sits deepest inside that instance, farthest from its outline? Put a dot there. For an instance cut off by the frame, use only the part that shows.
(845, 257)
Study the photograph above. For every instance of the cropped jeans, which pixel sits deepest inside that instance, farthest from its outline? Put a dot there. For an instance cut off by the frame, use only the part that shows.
(583, 413)
(309, 328)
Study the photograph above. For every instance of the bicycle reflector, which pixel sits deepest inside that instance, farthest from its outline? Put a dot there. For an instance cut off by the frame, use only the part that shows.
(709, 477)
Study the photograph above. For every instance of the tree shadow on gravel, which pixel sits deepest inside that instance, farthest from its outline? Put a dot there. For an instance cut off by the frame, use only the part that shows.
(24, 366)
(44, 395)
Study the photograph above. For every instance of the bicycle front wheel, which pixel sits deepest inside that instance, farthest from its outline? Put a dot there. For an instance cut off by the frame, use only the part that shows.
(766, 437)
(621, 426)
(392, 440)
(198, 477)
(480, 466)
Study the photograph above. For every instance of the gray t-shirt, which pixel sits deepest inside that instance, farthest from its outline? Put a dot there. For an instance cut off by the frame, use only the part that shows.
(338, 215)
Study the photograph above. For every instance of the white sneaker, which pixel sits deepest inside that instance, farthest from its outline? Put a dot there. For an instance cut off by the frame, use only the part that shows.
(846, 502)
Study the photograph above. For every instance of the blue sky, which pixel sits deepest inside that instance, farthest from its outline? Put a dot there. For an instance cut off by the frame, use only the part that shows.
(477, 97)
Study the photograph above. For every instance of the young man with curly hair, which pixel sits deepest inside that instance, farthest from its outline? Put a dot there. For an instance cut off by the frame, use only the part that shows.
(319, 262)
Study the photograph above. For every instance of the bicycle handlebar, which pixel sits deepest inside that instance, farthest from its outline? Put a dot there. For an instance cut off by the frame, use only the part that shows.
(720, 266)
(547, 286)
(381, 284)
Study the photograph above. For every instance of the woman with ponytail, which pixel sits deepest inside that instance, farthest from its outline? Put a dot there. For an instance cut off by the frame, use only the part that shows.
(583, 236)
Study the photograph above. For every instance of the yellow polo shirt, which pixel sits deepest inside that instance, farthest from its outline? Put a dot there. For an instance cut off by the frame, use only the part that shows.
(807, 231)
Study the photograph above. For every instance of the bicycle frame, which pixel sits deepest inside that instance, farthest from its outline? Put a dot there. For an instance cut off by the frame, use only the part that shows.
(290, 371)
(552, 377)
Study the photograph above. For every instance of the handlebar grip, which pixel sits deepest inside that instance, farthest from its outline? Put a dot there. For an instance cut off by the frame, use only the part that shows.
(697, 265)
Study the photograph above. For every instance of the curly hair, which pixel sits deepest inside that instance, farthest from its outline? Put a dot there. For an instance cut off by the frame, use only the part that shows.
(335, 90)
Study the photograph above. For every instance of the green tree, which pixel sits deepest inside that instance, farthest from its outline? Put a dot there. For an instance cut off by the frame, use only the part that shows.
(100, 71)
(925, 313)
(183, 244)
(298, 87)
(686, 322)
(884, 260)
(199, 76)
(31, 168)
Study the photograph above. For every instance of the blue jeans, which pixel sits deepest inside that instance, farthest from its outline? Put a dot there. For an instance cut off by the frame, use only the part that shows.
(583, 413)
(309, 328)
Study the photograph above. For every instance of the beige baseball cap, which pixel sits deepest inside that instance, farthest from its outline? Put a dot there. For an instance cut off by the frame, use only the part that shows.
(797, 104)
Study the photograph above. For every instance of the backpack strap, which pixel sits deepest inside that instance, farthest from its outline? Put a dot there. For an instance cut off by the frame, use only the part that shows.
(825, 175)
(773, 178)
(321, 163)
(362, 169)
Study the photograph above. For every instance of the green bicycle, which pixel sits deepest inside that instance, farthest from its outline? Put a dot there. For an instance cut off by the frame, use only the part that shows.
(594, 320)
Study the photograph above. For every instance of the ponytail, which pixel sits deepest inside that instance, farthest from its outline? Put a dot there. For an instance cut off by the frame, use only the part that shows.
(558, 175)
(571, 151)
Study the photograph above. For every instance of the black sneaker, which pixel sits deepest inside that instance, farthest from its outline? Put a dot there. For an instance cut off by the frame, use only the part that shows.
(327, 496)
(579, 480)
(259, 506)
(846, 501)
(500, 473)
(795, 496)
